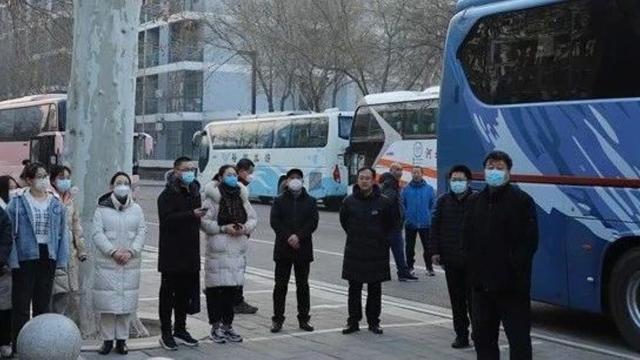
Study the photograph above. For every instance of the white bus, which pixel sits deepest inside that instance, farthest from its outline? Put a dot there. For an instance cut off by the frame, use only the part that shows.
(395, 127)
(313, 142)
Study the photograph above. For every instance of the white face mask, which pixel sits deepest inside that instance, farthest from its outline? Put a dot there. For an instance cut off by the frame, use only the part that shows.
(295, 185)
(41, 184)
(122, 191)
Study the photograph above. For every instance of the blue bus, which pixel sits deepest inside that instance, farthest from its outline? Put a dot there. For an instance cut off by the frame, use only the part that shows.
(556, 84)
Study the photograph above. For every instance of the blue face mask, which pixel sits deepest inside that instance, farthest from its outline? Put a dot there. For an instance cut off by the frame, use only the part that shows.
(231, 180)
(188, 177)
(495, 177)
(458, 186)
(63, 185)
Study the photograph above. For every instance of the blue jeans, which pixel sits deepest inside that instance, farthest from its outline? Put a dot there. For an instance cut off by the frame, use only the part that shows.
(397, 249)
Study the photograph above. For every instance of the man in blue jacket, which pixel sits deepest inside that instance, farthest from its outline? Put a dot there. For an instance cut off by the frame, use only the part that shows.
(418, 199)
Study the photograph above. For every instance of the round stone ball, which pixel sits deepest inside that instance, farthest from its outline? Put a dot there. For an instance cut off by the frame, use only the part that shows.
(51, 337)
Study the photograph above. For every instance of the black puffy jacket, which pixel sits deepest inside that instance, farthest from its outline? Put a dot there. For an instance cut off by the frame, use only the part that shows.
(391, 189)
(6, 238)
(294, 215)
(367, 220)
(446, 228)
(500, 239)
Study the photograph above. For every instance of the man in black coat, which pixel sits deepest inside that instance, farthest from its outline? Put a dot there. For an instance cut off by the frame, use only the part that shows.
(179, 252)
(447, 248)
(294, 218)
(367, 217)
(500, 239)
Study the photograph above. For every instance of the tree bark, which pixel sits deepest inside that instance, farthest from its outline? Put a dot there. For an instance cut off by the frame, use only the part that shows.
(100, 112)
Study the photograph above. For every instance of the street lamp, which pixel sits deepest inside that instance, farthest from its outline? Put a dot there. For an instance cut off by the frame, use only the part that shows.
(253, 54)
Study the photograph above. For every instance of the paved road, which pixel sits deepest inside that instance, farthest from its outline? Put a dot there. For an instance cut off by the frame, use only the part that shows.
(570, 327)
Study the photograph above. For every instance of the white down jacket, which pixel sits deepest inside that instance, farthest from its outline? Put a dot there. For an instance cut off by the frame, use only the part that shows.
(225, 260)
(116, 226)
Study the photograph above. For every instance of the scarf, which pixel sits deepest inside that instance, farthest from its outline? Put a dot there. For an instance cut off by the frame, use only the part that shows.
(231, 209)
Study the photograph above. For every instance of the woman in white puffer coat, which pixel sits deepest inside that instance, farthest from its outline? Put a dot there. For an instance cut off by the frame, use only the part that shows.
(229, 219)
(118, 237)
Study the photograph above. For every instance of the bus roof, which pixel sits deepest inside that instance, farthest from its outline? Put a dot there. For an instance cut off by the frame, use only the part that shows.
(401, 96)
(280, 116)
(32, 100)
(463, 4)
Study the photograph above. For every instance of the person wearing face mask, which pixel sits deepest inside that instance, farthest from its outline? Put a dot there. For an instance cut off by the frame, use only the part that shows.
(229, 219)
(245, 176)
(447, 250)
(40, 246)
(500, 238)
(119, 232)
(66, 287)
(7, 186)
(294, 218)
(179, 213)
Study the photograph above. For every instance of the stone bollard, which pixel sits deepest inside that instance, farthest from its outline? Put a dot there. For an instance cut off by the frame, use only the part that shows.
(51, 337)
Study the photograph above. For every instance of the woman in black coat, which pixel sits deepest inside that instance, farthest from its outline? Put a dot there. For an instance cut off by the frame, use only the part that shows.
(294, 218)
(367, 217)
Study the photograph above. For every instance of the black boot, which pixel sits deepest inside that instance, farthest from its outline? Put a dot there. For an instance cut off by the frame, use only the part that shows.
(276, 327)
(350, 329)
(106, 348)
(461, 343)
(121, 347)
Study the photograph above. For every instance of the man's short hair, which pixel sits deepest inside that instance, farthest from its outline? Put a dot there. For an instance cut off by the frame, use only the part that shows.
(245, 164)
(498, 155)
(460, 168)
(373, 172)
(181, 160)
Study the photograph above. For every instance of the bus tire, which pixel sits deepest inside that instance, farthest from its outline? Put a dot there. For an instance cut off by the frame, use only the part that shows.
(624, 292)
(333, 204)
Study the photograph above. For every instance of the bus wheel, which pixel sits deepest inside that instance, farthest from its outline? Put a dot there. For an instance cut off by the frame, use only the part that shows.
(624, 297)
(333, 204)
(264, 200)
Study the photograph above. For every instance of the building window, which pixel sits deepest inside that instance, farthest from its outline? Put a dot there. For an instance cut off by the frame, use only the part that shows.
(152, 47)
(139, 95)
(150, 97)
(573, 50)
(185, 91)
(185, 44)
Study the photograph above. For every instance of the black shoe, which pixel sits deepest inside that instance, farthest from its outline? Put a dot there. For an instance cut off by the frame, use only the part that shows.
(431, 272)
(183, 337)
(304, 325)
(461, 343)
(376, 329)
(276, 327)
(168, 342)
(244, 308)
(121, 347)
(106, 348)
(350, 329)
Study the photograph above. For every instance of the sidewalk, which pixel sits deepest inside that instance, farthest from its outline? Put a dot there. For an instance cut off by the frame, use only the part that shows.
(412, 330)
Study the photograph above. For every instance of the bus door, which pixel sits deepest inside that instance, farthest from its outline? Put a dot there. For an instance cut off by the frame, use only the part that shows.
(47, 149)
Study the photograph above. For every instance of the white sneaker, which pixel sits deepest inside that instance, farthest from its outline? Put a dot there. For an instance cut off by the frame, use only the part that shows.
(5, 351)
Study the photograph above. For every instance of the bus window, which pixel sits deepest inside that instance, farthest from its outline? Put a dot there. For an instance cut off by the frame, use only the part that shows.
(52, 118)
(21, 124)
(366, 127)
(283, 134)
(344, 126)
(420, 123)
(309, 133)
(265, 135)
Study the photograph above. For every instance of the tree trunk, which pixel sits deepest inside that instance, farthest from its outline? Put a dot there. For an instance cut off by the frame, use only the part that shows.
(100, 112)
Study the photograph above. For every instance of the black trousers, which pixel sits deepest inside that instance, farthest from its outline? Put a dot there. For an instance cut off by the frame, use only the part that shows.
(220, 302)
(410, 238)
(460, 296)
(5, 327)
(32, 286)
(238, 296)
(283, 274)
(514, 311)
(175, 293)
(374, 303)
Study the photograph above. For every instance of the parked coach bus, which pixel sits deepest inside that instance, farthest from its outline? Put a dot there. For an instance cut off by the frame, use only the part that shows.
(555, 85)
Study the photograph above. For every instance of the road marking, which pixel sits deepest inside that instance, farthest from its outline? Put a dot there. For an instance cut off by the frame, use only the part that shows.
(329, 306)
